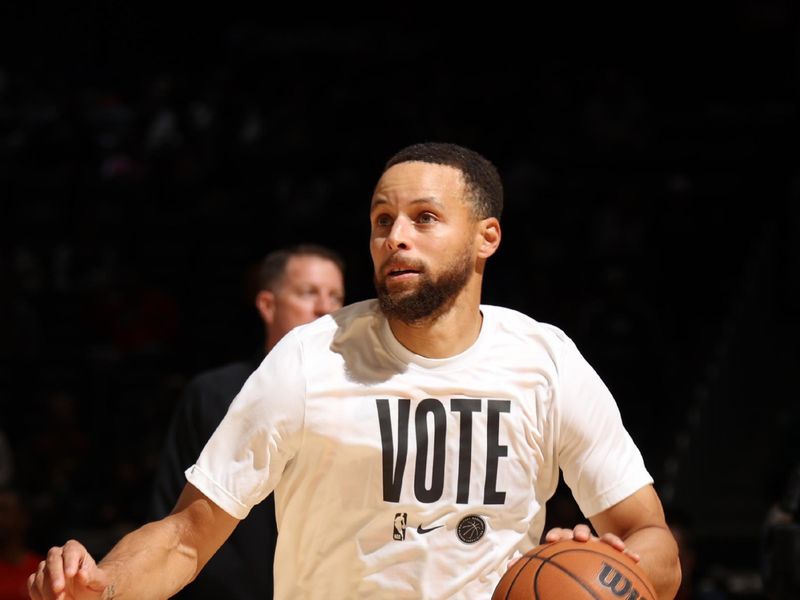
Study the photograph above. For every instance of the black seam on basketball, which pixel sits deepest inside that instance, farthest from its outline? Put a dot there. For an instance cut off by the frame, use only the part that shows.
(545, 560)
(528, 559)
(618, 562)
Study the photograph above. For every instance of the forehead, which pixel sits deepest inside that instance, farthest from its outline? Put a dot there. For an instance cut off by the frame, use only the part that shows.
(414, 181)
(311, 267)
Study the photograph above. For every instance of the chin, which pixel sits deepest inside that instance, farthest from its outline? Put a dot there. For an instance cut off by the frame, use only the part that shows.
(401, 292)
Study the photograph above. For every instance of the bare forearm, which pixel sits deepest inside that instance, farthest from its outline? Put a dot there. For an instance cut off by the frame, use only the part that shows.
(659, 559)
(150, 563)
(157, 560)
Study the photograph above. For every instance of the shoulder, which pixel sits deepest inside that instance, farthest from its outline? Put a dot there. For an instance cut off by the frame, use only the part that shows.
(526, 342)
(512, 324)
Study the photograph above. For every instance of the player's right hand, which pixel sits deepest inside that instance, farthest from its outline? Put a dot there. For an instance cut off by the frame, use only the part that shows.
(582, 533)
(68, 573)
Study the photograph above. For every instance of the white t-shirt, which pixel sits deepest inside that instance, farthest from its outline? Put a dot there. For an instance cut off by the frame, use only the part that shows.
(398, 476)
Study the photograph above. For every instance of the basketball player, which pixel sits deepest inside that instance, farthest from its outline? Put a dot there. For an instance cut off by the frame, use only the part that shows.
(295, 285)
(422, 410)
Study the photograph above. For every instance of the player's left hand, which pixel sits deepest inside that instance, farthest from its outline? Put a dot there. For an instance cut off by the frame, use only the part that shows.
(582, 533)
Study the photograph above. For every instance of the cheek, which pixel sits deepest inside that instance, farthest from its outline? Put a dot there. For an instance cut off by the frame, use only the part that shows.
(296, 312)
(304, 308)
(374, 252)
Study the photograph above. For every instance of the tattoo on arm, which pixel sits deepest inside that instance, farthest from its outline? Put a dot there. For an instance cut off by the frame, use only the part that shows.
(109, 593)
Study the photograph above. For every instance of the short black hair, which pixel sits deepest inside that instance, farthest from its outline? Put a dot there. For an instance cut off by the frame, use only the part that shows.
(480, 175)
(273, 266)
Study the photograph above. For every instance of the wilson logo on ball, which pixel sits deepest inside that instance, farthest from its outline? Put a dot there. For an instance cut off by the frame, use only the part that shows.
(619, 585)
(591, 570)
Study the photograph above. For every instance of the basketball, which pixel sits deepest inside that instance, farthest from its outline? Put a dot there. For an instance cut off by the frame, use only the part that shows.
(570, 570)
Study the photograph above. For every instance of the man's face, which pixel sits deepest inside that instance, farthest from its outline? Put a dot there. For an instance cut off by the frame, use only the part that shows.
(311, 287)
(422, 239)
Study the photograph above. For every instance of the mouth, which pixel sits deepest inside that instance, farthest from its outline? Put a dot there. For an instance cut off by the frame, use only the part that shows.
(400, 271)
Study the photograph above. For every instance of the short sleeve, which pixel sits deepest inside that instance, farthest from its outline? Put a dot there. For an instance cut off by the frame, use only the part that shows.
(261, 432)
(601, 464)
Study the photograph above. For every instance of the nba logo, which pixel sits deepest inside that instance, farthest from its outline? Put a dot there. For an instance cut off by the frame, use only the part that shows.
(400, 526)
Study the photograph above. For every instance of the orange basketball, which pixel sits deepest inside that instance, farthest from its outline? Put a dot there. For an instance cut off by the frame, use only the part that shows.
(590, 570)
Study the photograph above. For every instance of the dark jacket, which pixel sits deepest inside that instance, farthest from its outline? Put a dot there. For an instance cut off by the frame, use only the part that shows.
(242, 568)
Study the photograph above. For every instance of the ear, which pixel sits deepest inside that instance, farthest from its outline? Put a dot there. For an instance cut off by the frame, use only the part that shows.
(488, 237)
(265, 305)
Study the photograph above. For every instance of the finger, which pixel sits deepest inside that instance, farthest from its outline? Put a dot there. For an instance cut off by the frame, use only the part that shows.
(93, 577)
(74, 555)
(558, 534)
(40, 581)
(514, 558)
(47, 587)
(635, 556)
(582, 533)
(619, 544)
(551, 536)
(89, 577)
(54, 571)
(613, 540)
(33, 589)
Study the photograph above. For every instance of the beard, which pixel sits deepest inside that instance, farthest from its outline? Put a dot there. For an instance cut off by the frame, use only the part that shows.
(431, 297)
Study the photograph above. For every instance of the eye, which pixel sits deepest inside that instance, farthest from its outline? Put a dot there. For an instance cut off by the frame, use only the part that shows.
(426, 218)
(383, 220)
(306, 292)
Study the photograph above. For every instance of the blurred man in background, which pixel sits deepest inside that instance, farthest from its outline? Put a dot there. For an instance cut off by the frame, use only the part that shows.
(295, 285)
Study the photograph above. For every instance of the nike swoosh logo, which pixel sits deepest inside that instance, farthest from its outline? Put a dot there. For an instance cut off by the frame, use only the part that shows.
(421, 529)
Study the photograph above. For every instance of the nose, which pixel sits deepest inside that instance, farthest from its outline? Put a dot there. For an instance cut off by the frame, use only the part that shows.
(398, 238)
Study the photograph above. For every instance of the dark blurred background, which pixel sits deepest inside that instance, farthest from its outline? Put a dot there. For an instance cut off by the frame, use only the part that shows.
(147, 161)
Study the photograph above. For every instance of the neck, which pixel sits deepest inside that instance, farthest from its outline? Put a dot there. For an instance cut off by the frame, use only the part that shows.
(269, 340)
(447, 334)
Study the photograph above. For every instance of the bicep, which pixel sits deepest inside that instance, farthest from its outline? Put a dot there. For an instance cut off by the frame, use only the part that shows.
(640, 510)
(599, 459)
